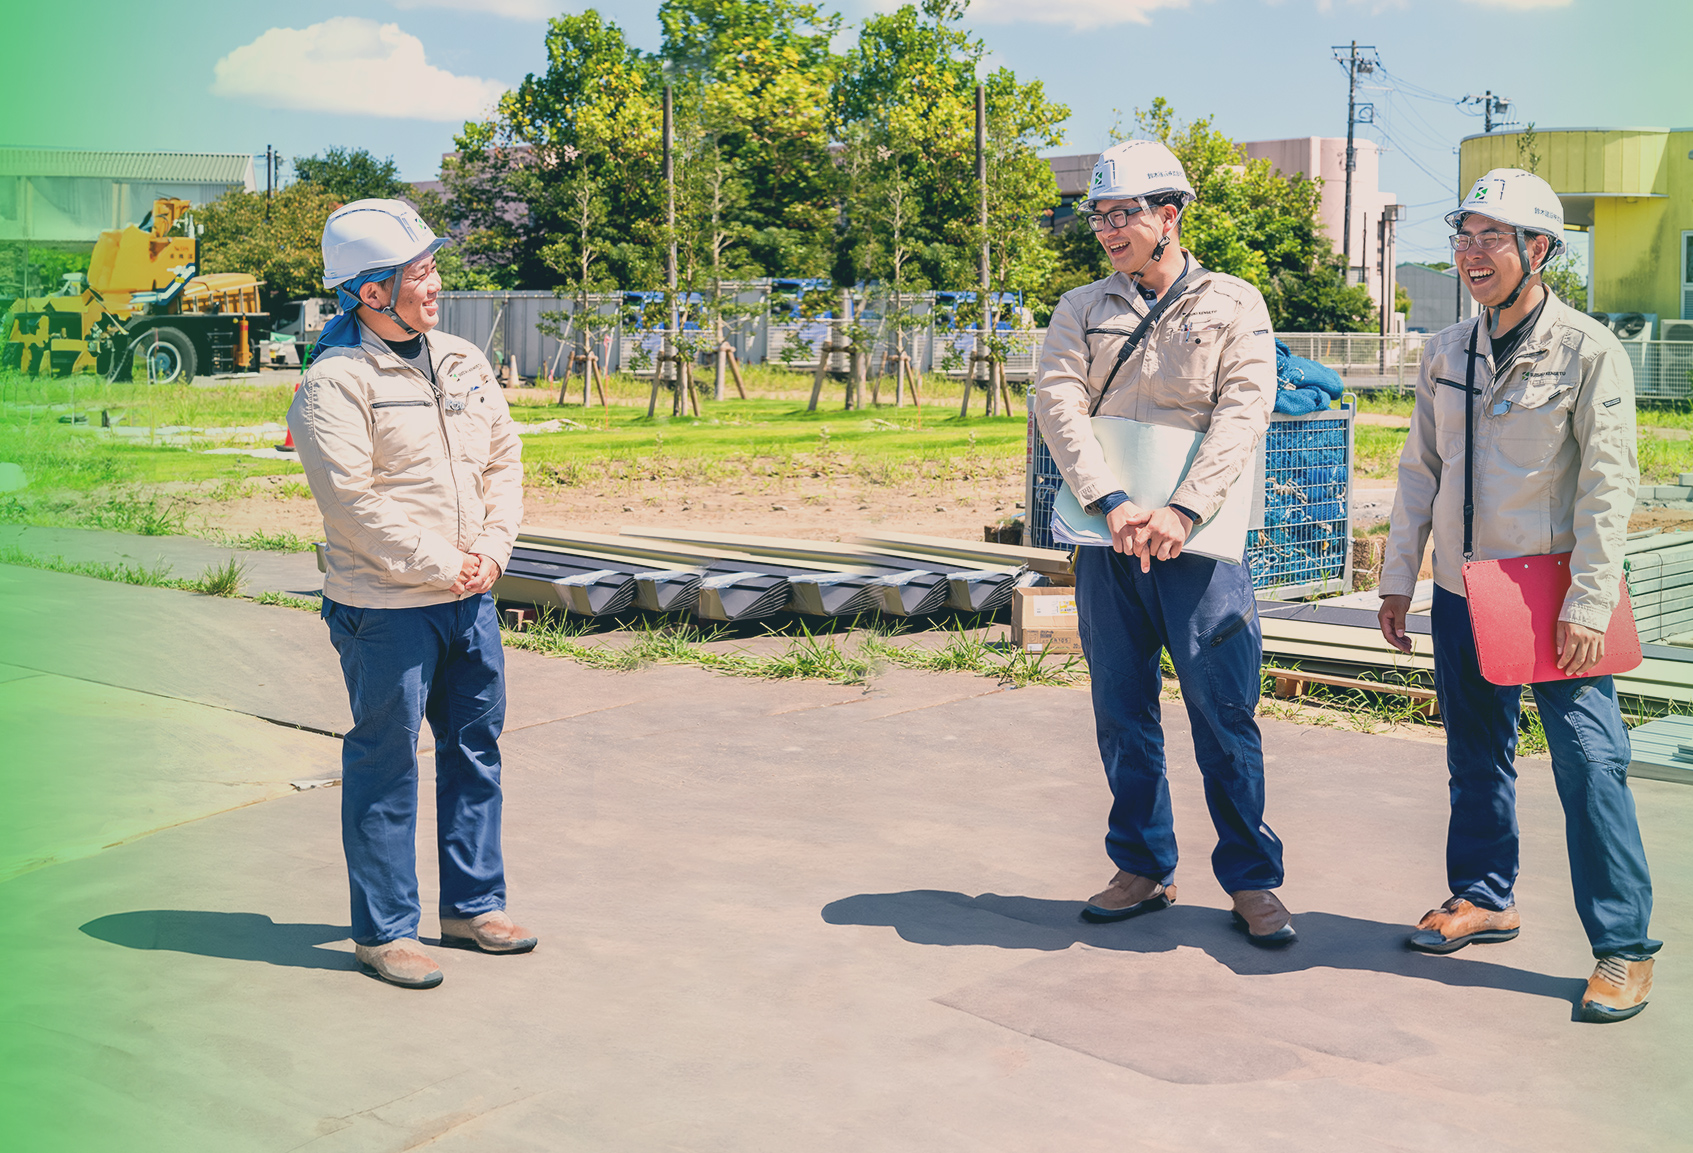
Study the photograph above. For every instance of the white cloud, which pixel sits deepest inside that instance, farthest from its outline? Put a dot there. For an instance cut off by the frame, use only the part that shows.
(1078, 14)
(351, 65)
(1520, 5)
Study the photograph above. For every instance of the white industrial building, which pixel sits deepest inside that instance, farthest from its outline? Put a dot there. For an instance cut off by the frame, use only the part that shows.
(53, 196)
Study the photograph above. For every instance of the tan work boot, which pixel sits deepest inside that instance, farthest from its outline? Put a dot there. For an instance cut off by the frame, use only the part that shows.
(1128, 895)
(1265, 919)
(1458, 923)
(401, 962)
(487, 933)
(1617, 990)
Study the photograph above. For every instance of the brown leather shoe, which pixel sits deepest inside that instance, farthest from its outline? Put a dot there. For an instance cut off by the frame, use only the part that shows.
(1263, 916)
(1458, 923)
(1128, 895)
(402, 962)
(487, 933)
(1617, 990)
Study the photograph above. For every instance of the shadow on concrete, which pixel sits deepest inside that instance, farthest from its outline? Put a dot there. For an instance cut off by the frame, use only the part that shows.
(233, 936)
(1326, 940)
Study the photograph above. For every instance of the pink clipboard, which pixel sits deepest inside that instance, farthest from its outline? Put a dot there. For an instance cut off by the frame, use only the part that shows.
(1514, 606)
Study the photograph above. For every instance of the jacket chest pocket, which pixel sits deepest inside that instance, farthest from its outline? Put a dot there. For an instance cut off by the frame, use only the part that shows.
(1532, 418)
(1191, 357)
(468, 420)
(405, 433)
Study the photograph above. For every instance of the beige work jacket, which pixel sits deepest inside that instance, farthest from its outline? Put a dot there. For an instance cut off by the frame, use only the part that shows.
(1209, 364)
(409, 477)
(1554, 460)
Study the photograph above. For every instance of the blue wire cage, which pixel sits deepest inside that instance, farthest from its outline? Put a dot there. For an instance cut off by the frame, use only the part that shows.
(1300, 542)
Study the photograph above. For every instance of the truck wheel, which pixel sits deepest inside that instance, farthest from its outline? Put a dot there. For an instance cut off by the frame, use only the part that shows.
(168, 354)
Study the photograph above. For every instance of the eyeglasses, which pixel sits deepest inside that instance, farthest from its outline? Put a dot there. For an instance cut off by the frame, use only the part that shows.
(1489, 241)
(1116, 218)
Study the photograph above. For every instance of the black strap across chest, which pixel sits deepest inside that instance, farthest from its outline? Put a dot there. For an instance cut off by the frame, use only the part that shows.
(1171, 295)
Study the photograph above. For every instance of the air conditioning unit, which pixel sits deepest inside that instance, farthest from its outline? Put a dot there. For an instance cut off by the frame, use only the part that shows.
(1603, 318)
(1676, 330)
(1636, 326)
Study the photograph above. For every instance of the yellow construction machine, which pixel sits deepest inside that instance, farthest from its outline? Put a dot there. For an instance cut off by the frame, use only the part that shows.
(143, 295)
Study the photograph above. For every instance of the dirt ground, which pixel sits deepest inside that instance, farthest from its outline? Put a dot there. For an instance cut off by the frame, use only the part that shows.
(820, 509)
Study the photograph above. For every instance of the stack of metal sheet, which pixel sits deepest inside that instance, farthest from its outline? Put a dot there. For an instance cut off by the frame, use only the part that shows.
(1660, 585)
(732, 577)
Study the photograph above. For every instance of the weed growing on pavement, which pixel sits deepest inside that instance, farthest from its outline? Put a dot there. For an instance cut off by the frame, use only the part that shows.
(262, 541)
(155, 576)
(220, 580)
(283, 600)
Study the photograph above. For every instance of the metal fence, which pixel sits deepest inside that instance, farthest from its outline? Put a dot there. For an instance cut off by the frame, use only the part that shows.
(1663, 369)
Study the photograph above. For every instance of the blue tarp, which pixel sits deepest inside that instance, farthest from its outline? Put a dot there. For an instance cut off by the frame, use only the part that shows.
(1303, 385)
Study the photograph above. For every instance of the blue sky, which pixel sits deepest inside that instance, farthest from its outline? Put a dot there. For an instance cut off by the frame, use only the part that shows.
(221, 77)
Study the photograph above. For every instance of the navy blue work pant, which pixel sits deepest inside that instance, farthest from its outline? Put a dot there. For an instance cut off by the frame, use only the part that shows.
(1590, 755)
(1204, 612)
(444, 664)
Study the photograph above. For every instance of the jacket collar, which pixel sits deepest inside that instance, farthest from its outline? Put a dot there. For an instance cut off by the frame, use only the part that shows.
(377, 350)
(1541, 337)
(1119, 284)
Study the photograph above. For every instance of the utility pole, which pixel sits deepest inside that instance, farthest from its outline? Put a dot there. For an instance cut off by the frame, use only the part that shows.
(1356, 113)
(1491, 106)
(673, 321)
(982, 222)
(270, 180)
(1384, 256)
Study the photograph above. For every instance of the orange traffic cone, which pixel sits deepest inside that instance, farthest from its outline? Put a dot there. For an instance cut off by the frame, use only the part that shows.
(287, 444)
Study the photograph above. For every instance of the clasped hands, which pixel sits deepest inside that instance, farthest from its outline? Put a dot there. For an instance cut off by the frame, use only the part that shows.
(1155, 533)
(476, 575)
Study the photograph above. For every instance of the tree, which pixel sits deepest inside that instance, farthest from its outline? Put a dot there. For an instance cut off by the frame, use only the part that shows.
(592, 116)
(753, 81)
(1564, 277)
(282, 247)
(352, 174)
(906, 95)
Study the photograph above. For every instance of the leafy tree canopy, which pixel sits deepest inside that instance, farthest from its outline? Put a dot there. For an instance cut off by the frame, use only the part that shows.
(285, 250)
(352, 174)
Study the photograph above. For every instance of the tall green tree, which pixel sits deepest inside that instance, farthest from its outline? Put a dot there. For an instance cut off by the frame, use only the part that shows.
(281, 244)
(593, 116)
(352, 174)
(752, 81)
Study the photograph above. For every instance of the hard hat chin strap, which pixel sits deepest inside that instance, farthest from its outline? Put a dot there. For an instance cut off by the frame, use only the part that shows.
(1522, 283)
(1163, 241)
(394, 294)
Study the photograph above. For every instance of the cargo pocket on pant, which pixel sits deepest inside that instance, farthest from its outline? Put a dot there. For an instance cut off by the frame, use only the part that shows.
(1232, 662)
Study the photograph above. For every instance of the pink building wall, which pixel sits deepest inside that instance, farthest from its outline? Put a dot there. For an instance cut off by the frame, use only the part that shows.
(1325, 157)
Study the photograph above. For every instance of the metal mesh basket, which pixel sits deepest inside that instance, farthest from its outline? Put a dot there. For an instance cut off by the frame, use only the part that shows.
(1304, 544)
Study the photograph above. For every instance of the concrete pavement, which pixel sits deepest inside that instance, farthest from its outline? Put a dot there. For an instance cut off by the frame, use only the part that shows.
(773, 916)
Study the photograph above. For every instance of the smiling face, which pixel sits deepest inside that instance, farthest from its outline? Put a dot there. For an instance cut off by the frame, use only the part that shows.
(1129, 247)
(1491, 276)
(420, 285)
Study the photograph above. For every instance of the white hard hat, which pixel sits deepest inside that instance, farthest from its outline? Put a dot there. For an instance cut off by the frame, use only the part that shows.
(368, 235)
(1137, 170)
(1520, 199)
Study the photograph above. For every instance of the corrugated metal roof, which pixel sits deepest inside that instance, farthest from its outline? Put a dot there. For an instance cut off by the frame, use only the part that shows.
(163, 167)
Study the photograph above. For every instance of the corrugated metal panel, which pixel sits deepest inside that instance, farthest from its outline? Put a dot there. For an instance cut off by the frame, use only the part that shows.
(169, 167)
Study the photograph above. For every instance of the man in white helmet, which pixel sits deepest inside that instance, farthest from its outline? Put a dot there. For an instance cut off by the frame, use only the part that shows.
(1547, 396)
(416, 466)
(1165, 341)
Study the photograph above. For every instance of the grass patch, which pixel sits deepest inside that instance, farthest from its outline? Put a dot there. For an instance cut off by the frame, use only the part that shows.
(220, 580)
(261, 541)
(283, 600)
(855, 657)
(155, 576)
(1376, 450)
(1662, 460)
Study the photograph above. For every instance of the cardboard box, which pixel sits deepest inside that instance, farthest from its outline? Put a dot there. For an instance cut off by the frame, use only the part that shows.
(1044, 620)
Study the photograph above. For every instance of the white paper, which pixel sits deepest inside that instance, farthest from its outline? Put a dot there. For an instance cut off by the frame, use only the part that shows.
(1150, 461)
